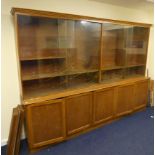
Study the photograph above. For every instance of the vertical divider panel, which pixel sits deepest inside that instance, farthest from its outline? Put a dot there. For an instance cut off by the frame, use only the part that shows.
(17, 53)
(62, 32)
(115, 99)
(100, 56)
(147, 49)
(125, 61)
(66, 52)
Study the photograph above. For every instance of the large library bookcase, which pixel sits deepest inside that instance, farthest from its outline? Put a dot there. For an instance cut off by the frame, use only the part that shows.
(78, 73)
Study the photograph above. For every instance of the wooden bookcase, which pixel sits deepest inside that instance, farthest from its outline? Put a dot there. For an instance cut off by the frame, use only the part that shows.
(92, 64)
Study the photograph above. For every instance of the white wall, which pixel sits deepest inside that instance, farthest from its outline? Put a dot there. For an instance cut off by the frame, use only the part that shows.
(10, 84)
(150, 56)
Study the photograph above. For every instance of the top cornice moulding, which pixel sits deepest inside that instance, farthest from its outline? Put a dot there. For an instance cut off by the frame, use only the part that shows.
(50, 14)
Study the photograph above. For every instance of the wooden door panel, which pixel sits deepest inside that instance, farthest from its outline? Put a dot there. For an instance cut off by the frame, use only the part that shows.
(46, 123)
(124, 99)
(103, 105)
(141, 94)
(78, 112)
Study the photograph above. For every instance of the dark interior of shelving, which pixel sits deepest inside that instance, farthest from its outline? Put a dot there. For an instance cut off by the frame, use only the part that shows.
(78, 80)
(87, 43)
(35, 34)
(136, 47)
(133, 59)
(41, 87)
(112, 75)
(113, 53)
(134, 71)
(36, 69)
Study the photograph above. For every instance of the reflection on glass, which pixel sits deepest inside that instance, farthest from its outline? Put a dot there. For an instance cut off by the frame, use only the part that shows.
(136, 45)
(134, 71)
(124, 48)
(112, 75)
(85, 79)
(113, 52)
(136, 51)
(87, 43)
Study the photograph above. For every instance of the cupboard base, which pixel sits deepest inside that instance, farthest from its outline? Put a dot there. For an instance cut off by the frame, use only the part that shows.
(33, 150)
(57, 120)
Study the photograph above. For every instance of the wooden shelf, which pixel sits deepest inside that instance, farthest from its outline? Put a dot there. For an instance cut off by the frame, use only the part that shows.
(135, 51)
(136, 65)
(111, 80)
(51, 75)
(121, 67)
(133, 76)
(42, 58)
(41, 76)
(112, 68)
(42, 92)
(82, 71)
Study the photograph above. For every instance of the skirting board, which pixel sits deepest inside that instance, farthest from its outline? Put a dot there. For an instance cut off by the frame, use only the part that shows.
(4, 141)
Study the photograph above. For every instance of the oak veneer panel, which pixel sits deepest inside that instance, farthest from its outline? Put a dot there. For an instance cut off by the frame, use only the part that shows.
(78, 112)
(103, 105)
(141, 94)
(45, 123)
(124, 99)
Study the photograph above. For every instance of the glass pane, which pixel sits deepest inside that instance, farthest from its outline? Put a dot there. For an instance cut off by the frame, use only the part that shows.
(87, 45)
(136, 45)
(43, 47)
(113, 52)
(84, 79)
(54, 52)
(134, 71)
(42, 69)
(42, 87)
(83, 61)
(136, 50)
(112, 75)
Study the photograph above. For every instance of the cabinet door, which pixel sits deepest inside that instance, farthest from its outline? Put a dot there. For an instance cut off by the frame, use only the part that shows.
(124, 99)
(78, 112)
(45, 123)
(103, 105)
(141, 94)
